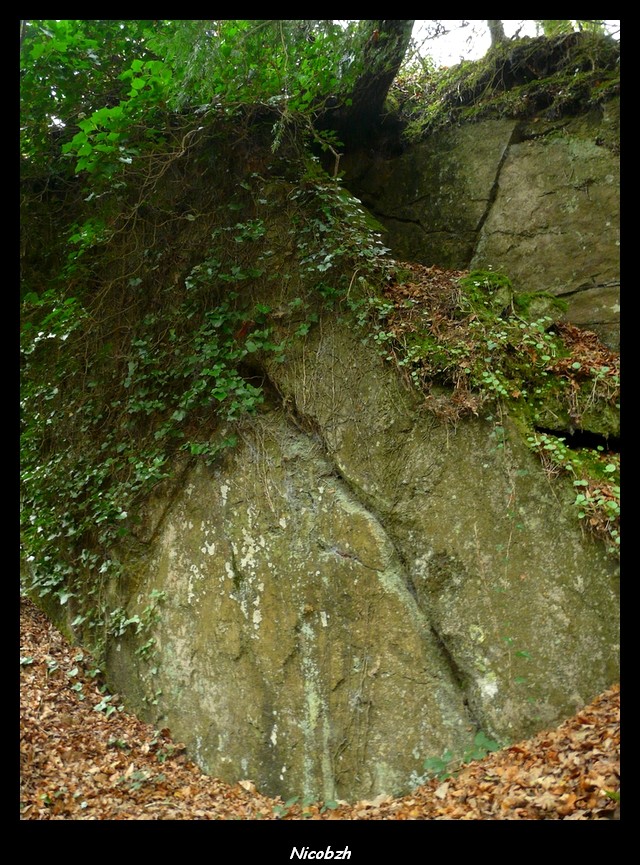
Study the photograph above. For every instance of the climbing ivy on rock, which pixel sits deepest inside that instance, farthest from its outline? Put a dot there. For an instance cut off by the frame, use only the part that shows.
(142, 355)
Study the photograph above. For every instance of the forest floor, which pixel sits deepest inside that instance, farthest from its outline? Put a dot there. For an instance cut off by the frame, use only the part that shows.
(83, 759)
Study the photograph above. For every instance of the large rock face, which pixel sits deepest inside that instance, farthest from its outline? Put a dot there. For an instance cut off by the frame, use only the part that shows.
(538, 200)
(292, 651)
(358, 587)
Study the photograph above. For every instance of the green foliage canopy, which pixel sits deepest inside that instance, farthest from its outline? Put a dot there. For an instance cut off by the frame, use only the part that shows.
(96, 91)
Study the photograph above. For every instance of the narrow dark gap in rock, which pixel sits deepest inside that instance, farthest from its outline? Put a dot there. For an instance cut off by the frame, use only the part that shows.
(584, 439)
(493, 193)
(403, 219)
(458, 675)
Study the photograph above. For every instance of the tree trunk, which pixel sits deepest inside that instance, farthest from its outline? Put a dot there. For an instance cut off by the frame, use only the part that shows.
(383, 54)
(382, 47)
(497, 32)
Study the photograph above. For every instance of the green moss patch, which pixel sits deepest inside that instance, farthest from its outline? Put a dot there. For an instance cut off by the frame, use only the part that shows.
(552, 77)
(468, 342)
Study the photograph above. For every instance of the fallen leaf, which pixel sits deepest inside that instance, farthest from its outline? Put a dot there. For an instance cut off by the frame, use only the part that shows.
(442, 790)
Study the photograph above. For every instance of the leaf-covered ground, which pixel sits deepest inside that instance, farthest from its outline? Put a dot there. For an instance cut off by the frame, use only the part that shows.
(80, 760)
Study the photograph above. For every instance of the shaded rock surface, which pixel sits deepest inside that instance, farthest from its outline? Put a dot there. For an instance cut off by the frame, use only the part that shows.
(535, 199)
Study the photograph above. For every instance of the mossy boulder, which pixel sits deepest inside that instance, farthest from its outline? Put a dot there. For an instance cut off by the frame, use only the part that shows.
(361, 586)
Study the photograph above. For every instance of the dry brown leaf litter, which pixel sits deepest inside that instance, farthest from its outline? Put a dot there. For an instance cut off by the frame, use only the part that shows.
(78, 764)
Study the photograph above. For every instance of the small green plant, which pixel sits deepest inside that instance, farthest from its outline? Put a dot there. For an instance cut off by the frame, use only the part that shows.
(596, 479)
(153, 698)
(446, 766)
(78, 688)
(104, 705)
(283, 810)
(482, 746)
(165, 754)
(440, 767)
